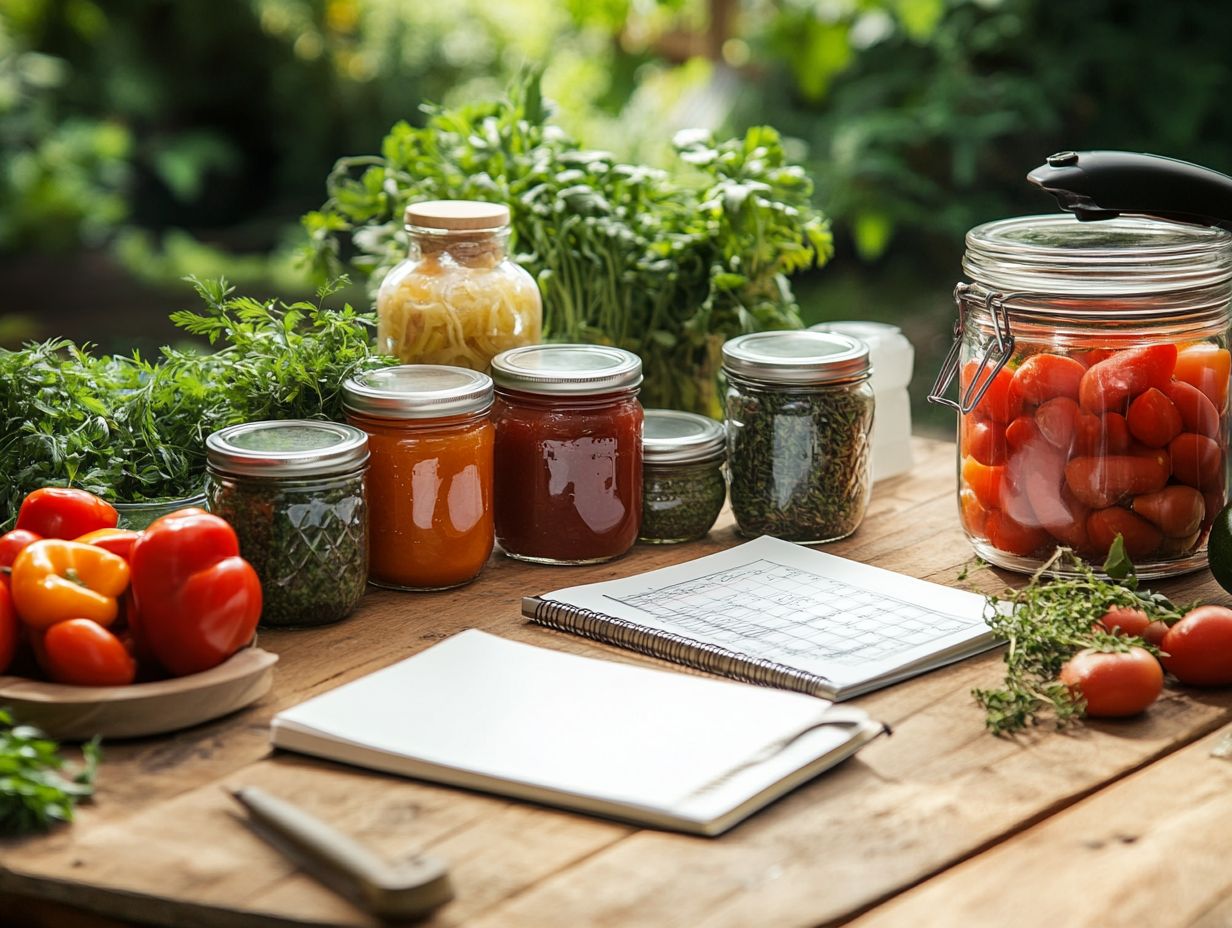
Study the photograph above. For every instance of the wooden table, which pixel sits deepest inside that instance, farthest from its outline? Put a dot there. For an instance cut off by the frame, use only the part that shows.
(942, 824)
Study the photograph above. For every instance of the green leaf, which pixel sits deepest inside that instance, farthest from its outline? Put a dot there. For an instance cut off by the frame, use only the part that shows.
(1118, 566)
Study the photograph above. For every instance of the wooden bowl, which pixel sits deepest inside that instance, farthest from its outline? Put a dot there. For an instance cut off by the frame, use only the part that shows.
(73, 713)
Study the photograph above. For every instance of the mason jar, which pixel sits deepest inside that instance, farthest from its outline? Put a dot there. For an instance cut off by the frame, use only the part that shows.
(683, 482)
(799, 423)
(1092, 362)
(293, 490)
(568, 453)
(458, 299)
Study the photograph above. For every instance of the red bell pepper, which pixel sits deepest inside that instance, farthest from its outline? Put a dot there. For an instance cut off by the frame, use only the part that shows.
(118, 541)
(8, 627)
(197, 600)
(62, 512)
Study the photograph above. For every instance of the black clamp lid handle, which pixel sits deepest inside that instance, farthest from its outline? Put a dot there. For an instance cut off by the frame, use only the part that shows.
(1104, 184)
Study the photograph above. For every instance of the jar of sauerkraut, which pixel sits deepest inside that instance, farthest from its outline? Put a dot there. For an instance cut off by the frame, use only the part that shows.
(457, 299)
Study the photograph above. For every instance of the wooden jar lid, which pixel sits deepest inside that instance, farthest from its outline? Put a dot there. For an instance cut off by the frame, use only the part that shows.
(457, 215)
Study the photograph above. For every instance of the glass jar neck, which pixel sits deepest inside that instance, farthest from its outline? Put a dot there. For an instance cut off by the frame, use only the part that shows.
(298, 482)
(558, 401)
(480, 247)
(460, 422)
(702, 465)
(745, 385)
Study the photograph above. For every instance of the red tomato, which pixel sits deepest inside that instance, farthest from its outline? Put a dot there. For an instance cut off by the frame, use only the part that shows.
(1113, 683)
(1052, 505)
(1142, 539)
(1154, 633)
(62, 512)
(1058, 421)
(1113, 382)
(1007, 535)
(973, 514)
(1207, 367)
(1198, 649)
(1196, 460)
(1021, 432)
(984, 481)
(1095, 436)
(997, 403)
(1103, 482)
(9, 628)
(1044, 376)
(12, 543)
(83, 653)
(984, 440)
(1091, 356)
(1124, 620)
(1198, 413)
(1153, 419)
(1177, 511)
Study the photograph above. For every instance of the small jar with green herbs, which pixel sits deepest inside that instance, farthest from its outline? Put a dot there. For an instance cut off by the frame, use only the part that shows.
(799, 416)
(683, 486)
(294, 492)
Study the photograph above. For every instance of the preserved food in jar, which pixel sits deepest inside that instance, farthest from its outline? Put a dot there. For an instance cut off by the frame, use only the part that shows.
(457, 299)
(568, 453)
(683, 484)
(430, 476)
(1093, 365)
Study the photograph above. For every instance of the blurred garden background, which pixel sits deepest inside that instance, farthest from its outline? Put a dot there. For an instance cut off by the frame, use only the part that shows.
(145, 140)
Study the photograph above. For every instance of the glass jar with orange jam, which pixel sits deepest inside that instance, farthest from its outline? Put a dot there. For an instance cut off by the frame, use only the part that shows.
(430, 473)
(568, 452)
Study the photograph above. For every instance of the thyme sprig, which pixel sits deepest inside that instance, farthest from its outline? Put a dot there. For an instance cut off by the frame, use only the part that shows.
(1047, 622)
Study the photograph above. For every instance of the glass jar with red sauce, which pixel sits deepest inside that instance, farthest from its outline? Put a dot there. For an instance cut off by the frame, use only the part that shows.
(568, 452)
(1093, 368)
(429, 475)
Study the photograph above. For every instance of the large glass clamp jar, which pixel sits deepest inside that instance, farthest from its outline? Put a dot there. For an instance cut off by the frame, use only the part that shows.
(1092, 365)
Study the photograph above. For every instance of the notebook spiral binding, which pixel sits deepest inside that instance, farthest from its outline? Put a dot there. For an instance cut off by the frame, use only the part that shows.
(672, 647)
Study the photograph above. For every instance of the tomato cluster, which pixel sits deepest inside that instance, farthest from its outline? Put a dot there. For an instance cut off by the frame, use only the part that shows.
(1075, 449)
(89, 604)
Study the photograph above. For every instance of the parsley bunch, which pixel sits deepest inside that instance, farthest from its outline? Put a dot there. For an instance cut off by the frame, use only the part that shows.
(35, 791)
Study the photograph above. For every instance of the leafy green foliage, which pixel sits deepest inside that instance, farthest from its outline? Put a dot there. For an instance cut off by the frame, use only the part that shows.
(130, 429)
(666, 264)
(36, 792)
(1047, 622)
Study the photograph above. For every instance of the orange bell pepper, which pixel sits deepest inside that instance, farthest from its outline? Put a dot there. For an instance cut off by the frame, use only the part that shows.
(55, 580)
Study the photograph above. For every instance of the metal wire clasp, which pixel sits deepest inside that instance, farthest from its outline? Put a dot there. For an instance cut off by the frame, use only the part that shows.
(997, 354)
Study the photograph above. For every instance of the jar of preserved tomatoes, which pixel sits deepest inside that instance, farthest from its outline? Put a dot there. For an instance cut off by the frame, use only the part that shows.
(1093, 365)
(430, 472)
(457, 299)
(568, 452)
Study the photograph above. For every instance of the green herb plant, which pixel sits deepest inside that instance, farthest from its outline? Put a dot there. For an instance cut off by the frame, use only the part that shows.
(1047, 622)
(667, 264)
(36, 791)
(131, 429)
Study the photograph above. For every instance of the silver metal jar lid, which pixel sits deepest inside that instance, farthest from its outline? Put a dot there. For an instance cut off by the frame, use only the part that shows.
(796, 357)
(1057, 254)
(567, 369)
(287, 448)
(418, 391)
(674, 437)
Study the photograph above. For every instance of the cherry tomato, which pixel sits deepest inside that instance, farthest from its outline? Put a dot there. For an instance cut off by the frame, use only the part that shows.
(1177, 511)
(984, 440)
(1091, 356)
(1206, 367)
(1114, 683)
(1100, 482)
(997, 403)
(1044, 376)
(9, 628)
(1124, 620)
(1058, 421)
(1142, 539)
(1100, 435)
(1021, 432)
(83, 653)
(1196, 460)
(1198, 649)
(12, 543)
(973, 514)
(984, 481)
(1153, 419)
(1198, 413)
(1053, 507)
(1007, 535)
(1113, 382)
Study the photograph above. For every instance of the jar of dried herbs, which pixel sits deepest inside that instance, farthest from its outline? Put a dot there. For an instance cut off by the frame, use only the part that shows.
(799, 417)
(683, 485)
(293, 490)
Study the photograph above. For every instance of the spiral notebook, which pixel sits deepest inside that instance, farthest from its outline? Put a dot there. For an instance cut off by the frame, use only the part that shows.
(778, 614)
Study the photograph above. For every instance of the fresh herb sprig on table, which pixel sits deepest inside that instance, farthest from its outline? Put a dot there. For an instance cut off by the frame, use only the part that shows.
(130, 429)
(667, 264)
(1047, 622)
(36, 792)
